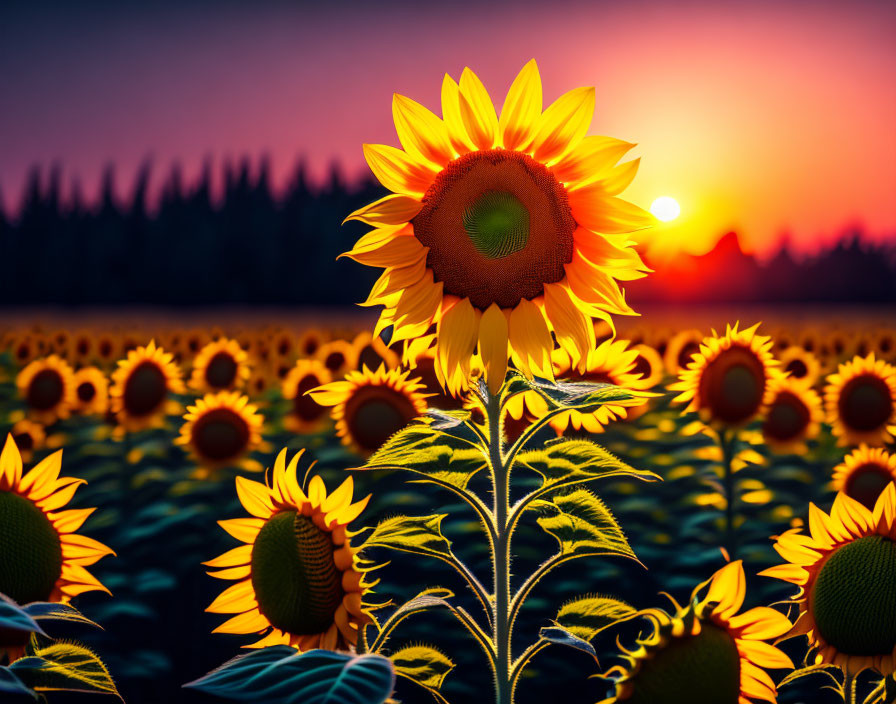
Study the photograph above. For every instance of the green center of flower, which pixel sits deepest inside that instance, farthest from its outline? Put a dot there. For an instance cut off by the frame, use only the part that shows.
(221, 371)
(30, 551)
(497, 223)
(295, 579)
(854, 598)
(701, 669)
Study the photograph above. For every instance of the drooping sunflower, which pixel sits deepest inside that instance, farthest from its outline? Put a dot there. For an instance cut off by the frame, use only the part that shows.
(865, 473)
(306, 414)
(800, 364)
(371, 352)
(705, 653)
(728, 382)
(846, 574)
(41, 556)
(221, 429)
(142, 385)
(860, 401)
(47, 387)
(221, 365)
(500, 230)
(91, 391)
(680, 350)
(28, 436)
(369, 407)
(298, 580)
(793, 415)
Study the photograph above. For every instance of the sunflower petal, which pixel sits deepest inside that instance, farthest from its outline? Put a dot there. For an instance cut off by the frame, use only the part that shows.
(393, 209)
(255, 497)
(589, 160)
(420, 132)
(530, 340)
(477, 111)
(460, 140)
(522, 108)
(493, 338)
(596, 210)
(563, 124)
(243, 529)
(398, 171)
(10, 465)
(573, 329)
(457, 336)
(236, 599)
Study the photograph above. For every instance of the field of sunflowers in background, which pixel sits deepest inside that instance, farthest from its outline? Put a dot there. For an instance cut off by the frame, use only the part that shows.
(543, 459)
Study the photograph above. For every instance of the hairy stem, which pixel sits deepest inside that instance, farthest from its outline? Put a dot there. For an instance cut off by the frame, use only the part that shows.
(727, 439)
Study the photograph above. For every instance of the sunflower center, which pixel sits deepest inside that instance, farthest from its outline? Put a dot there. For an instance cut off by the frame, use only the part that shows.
(45, 390)
(24, 441)
(864, 625)
(498, 226)
(642, 367)
(797, 368)
(700, 669)
(335, 361)
(732, 385)
(86, 392)
(370, 358)
(304, 406)
(296, 581)
(30, 551)
(221, 371)
(375, 413)
(787, 418)
(866, 482)
(145, 389)
(865, 403)
(220, 434)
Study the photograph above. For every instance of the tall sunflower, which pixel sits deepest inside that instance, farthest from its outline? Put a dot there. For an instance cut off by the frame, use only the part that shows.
(369, 407)
(298, 581)
(500, 230)
(221, 429)
(845, 571)
(142, 386)
(705, 653)
(864, 473)
(91, 391)
(728, 382)
(28, 436)
(680, 350)
(338, 356)
(306, 414)
(47, 387)
(793, 415)
(221, 365)
(41, 556)
(860, 401)
(800, 364)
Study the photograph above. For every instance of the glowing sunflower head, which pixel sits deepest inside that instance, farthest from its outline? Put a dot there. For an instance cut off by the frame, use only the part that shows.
(728, 382)
(846, 574)
(369, 407)
(649, 365)
(800, 364)
(708, 643)
(47, 387)
(221, 429)
(680, 350)
(142, 386)
(500, 230)
(221, 365)
(865, 473)
(860, 401)
(338, 356)
(28, 436)
(91, 391)
(298, 581)
(793, 415)
(371, 352)
(41, 556)
(306, 414)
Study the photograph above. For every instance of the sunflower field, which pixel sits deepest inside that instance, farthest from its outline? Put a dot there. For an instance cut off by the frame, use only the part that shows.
(503, 488)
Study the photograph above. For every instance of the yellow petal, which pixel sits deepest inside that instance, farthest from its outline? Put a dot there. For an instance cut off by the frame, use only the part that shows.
(589, 160)
(243, 529)
(394, 252)
(10, 465)
(728, 588)
(71, 520)
(61, 497)
(249, 622)
(620, 178)
(493, 338)
(760, 623)
(393, 281)
(342, 495)
(317, 491)
(416, 308)
(764, 654)
(39, 482)
(398, 171)
(477, 111)
(530, 340)
(76, 574)
(573, 329)
(454, 123)
(241, 555)
(522, 108)
(83, 550)
(592, 285)
(236, 599)
(255, 497)
(457, 335)
(393, 209)
(755, 683)
(563, 124)
(331, 394)
(420, 132)
(594, 209)
(622, 262)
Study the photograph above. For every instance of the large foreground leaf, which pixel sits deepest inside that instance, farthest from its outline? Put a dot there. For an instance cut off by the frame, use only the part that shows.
(424, 665)
(587, 616)
(417, 534)
(15, 618)
(582, 396)
(64, 667)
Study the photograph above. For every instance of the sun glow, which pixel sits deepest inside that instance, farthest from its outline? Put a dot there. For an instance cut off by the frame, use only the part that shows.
(665, 208)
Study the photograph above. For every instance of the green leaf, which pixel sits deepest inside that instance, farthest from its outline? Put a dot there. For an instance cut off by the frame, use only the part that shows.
(421, 535)
(280, 674)
(65, 667)
(439, 456)
(43, 611)
(560, 636)
(16, 618)
(13, 686)
(583, 525)
(587, 616)
(444, 420)
(823, 669)
(582, 396)
(425, 665)
(566, 461)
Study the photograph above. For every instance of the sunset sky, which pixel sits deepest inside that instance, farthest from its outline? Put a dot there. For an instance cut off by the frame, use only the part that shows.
(760, 117)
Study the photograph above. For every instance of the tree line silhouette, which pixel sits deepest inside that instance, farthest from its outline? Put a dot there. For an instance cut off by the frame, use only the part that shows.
(253, 245)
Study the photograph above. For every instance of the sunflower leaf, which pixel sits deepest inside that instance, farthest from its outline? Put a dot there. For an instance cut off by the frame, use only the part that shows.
(444, 420)
(582, 396)
(440, 457)
(421, 535)
(560, 636)
(279, 674)
(587, 616)
(823, 669)
(48, 611)
(16, 618)
(65, 667)
(13, 686)
(424, 665)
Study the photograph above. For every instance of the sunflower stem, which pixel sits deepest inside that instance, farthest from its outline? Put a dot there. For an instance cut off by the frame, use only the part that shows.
(727, 439)
(849, 688)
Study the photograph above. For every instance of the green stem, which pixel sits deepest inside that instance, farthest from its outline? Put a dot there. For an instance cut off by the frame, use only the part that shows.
(849, 688)
(726, 440)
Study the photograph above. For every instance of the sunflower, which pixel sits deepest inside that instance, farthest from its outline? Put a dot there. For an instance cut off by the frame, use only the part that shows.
(259, 381)
(865, 473)
(706, 653)
(680, 350)
(310, 341)
(41, 557)
(420, 357)
(23, 348)
(338, 356)
(285, 345)
(885, 343)
(221, 365)
(194, 341)
(47, 387)
(83, 346)
(91, 391)
(860, 401)
(369, 407)
(371, 352)
(793, 415)
(846, 574)
(28, 436)
(800, 364)
(500, 230)
(108, 348)
(141, 387)
(307, 414)
(299, 582)
(221, 429)
(728, 382)
(649, 365)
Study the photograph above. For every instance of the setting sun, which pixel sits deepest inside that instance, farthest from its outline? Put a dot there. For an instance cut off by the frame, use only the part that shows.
(665, 208)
